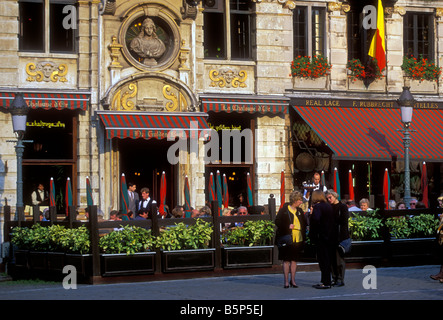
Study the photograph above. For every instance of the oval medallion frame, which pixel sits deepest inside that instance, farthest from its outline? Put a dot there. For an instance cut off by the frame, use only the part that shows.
(167, 31)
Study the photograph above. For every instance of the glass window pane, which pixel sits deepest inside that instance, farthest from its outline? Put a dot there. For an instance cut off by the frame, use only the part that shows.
(31, 37)
(240, 36)
(299, 30)
(318, 31)
(61, 28)
(214, 35)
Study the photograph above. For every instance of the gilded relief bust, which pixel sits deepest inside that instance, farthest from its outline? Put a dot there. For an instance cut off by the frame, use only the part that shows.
(147, 45)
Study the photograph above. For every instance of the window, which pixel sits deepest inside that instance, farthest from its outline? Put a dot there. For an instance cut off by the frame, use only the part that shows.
(418, 35)
(309, 31)
(359, 38)
(228, 36)
(43, 27)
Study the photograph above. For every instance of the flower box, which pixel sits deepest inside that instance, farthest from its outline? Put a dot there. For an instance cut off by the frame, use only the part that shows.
(418, 247)
(56, 261)
(366, 250)
(378, 85)
(21, 258)
(188, 260)
(122, 264)
(81, 262)
(38, 261)
(302, 83)
(247, 257)
(423, 86)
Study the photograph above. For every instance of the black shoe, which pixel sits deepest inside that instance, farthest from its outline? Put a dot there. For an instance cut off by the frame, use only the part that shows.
(293, 285)
(339, 284)
(286, 286)
(321, 286)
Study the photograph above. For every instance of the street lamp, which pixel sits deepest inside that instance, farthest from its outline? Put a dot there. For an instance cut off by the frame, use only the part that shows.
(406, 103)
(19, 111)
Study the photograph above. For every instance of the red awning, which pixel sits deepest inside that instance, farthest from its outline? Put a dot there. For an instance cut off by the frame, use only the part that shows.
(148, 125)
(373, 133)
(46, 101)
(250, 104)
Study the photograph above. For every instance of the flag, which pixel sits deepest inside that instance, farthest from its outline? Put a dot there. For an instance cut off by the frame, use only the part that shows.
(336, 183)
(377, 50)
(424, 185)
(68, 195)
(282, 189)
(386, 188)
(187, 208)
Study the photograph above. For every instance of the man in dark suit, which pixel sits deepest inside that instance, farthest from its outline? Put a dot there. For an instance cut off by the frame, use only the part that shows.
(146, 203)
(133, 197)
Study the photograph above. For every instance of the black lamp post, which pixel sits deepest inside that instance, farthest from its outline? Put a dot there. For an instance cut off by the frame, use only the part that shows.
(406, 103)
(19, 110)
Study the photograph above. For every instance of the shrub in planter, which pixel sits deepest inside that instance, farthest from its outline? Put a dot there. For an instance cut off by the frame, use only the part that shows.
(129, 240)
(76, 241)
(423, 225)
(182, 237)
(253, 233)
(365, 227)
(398, 227)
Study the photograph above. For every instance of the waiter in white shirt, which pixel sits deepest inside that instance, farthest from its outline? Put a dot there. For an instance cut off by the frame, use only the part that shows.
(146, 202)
(39, 197)
(316, 186)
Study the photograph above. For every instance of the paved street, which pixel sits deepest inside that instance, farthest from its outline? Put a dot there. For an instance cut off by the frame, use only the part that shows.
(395, 283)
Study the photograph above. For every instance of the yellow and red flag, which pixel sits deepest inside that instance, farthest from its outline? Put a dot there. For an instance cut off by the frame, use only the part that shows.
(377, 50)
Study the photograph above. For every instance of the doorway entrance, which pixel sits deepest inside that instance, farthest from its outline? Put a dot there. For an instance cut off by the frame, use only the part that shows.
(143, 161)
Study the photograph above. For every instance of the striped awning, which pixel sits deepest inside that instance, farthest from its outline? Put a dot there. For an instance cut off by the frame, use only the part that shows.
(250, 104)
(148, 125)
(376, 133)
(44, 100)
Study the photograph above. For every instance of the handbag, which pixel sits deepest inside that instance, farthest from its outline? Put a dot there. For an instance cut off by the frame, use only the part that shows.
(284, 240)
(345, 245)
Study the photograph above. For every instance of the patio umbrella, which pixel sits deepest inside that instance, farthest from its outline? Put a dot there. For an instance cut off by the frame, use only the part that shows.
(161, 208)
(187, 199)
(336, 183)
(386, 188)
(424, 185)
(351, 186)
(89, 198)
(282, 189)
(124, 197)
(219, 193)
(225, 192)
(68, 195)
(323, 180)
(250, 199)
(211, 188)
(51, 193)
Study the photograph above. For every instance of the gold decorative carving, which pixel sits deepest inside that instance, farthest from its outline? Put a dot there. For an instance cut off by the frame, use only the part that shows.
(439, 12)
(120, 102)
(338, 6)
(228, 77)
(115, 48)
(46, 71)
(290, 4)
(174, 103)
(399, 10)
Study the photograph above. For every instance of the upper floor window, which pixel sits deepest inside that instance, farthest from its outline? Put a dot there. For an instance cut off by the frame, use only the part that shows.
(418, 35)
(359, 38)
(309, 30)
(47, 26)
(228, 29)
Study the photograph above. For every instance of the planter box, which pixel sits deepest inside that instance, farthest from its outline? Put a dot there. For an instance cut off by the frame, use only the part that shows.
(188, 260)
(424, 86)
(81, 262)
(376, 86)
(21, 258)
(412, 247)
(56, 261)
(301, 83)
(122, 264)
(38, 261)
(366, 250)
(247, 257)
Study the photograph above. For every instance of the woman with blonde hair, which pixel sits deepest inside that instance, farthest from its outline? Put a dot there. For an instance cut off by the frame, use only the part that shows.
(290, 220)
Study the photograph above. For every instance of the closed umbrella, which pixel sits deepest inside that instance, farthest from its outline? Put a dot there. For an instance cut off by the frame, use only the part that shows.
(336, 183)
(187, 199)
(351, 186)
(282, 189)
(211, 188)
(89, 198)
(124, 197)
(51, 193)
(225, 192)
(424, 185)
(161, 208)
(323, 180)
(386, 188)
(219, 193)
(68, 195)
(250, 199)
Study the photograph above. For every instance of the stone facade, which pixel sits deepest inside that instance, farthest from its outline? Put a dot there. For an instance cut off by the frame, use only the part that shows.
(104, 68)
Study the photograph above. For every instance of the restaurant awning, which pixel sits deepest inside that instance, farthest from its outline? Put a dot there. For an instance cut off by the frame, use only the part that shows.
(148, 125)
(49, 100)
(246, 103)
(373, 133)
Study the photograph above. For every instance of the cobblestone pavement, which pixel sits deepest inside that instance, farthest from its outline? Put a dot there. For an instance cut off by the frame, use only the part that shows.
(393, 283)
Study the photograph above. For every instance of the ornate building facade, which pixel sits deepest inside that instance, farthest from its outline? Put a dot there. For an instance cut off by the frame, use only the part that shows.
(108, 80)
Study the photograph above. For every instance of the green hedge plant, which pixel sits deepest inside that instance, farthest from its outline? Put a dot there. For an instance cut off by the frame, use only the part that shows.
(253, 233)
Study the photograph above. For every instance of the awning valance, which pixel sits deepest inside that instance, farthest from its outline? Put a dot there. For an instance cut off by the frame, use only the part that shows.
(250, 104)
(47, 101)
(150, 125)
(373, 133)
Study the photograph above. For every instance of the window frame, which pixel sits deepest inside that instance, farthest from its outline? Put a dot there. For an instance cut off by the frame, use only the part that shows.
(415, 41)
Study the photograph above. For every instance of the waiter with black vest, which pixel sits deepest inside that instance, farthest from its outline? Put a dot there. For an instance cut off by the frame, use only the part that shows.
(146, 202)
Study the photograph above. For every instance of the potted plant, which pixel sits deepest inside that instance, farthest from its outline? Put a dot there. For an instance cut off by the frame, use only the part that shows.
(77, 245)
(308, 73)
(186, 247)
(363, 74)
(127, 251)
(248, 246)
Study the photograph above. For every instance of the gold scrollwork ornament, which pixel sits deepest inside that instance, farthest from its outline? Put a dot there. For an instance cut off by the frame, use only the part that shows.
(120, 102)
(46, 71)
